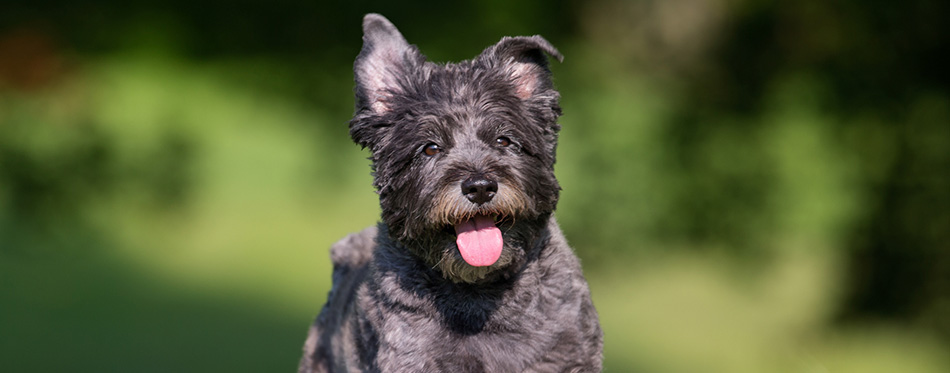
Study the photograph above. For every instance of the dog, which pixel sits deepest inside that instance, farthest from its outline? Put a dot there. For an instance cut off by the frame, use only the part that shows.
(468, 270)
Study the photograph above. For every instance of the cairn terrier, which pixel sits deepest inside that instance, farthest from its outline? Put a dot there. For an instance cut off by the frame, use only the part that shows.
(468, 270)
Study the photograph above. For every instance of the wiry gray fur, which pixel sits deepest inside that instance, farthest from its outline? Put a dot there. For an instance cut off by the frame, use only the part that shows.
(403, 299)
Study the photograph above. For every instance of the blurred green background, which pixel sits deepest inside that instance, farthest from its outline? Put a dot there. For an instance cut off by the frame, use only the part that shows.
(752, 186)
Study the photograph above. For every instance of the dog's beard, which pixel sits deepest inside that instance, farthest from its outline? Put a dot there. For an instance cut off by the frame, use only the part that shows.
(469, 242)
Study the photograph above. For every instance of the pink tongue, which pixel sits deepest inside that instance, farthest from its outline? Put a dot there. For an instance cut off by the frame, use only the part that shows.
(479, 241)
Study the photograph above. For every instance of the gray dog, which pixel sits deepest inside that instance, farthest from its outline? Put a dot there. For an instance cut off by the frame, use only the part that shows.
(468, 270)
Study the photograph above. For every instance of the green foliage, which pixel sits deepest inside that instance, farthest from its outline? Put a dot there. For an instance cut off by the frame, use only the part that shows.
(747, 195)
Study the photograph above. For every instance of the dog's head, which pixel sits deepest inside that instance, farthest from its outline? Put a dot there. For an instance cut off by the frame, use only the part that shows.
(463, 154)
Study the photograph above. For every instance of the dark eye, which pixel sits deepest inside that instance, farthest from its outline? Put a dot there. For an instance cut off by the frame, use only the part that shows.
(503, 141)
(432, 149)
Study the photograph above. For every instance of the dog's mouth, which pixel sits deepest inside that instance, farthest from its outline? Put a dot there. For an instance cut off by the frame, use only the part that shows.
(479, 240)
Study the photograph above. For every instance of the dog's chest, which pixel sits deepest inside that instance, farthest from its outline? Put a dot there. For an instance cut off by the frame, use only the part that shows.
(443, 350)
(467, 336)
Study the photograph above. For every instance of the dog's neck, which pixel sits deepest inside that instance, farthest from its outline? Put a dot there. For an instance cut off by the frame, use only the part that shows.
(465, 307)
(524, 243)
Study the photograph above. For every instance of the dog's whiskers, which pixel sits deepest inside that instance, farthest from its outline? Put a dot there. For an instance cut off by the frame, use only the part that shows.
(452, 208)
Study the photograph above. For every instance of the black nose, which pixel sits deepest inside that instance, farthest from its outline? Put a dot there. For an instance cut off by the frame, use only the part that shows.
(479, 190)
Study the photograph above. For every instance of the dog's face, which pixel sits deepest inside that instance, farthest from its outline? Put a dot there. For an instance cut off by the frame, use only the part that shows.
(463, 153)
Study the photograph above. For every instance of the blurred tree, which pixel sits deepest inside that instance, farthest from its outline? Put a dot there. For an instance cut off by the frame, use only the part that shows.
(885, 65)
(871, 83)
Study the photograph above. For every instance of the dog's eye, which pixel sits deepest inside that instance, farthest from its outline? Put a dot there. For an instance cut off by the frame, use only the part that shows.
(432, 149)
(503, 141)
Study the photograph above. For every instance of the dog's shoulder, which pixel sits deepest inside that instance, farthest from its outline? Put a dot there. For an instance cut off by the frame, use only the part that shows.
(354, 250)
(323, 350)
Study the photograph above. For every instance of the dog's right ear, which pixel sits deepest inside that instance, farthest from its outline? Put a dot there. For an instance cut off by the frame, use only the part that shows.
(385, 59)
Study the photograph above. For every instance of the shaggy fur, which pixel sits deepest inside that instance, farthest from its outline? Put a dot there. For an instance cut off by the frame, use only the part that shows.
(403, 298)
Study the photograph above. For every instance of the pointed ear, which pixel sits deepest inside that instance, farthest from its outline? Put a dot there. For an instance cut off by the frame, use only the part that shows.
(385, 57)
(523, 59)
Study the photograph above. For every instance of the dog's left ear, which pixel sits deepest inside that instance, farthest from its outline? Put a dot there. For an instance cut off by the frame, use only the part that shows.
(523, 59)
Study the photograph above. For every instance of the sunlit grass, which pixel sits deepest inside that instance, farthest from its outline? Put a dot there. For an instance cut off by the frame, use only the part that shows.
(700, 313)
